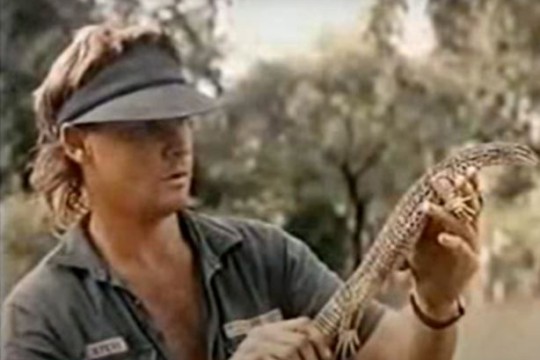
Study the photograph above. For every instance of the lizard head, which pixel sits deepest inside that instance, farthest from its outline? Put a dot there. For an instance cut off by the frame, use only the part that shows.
(521, 154)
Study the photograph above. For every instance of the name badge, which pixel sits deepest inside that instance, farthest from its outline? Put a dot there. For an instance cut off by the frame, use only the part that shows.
(109, 347)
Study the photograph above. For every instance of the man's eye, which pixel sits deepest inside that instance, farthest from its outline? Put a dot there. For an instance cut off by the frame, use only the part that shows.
(144, 129)
(131, 131)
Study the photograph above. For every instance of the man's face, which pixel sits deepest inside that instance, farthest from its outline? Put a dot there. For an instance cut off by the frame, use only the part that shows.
(140, 165)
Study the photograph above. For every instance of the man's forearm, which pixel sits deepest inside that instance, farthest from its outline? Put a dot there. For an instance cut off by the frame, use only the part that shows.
(424, 342)
(401, 335)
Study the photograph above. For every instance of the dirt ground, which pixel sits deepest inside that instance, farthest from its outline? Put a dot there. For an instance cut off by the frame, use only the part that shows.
(506, 331)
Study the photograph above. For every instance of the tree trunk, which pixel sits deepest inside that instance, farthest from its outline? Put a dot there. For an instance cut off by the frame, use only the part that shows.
(356, 235)
(357, 216)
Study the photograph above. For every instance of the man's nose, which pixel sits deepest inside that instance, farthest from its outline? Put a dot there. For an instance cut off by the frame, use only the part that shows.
(175, 146)
(175, 151)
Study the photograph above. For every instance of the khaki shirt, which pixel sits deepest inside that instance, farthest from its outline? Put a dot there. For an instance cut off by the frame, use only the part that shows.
(71, 306)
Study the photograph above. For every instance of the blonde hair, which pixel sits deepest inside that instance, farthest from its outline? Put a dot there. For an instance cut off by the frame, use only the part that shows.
(55, 175)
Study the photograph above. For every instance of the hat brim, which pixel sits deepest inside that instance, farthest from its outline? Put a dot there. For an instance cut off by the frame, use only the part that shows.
(161, 102)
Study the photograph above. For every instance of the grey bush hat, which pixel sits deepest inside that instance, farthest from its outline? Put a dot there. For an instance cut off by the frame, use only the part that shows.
(145, 83)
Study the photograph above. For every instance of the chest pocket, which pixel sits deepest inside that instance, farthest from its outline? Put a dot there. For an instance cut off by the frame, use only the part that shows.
(237, 330)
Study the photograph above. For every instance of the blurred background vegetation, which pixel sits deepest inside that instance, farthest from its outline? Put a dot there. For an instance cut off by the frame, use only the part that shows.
(321, 143)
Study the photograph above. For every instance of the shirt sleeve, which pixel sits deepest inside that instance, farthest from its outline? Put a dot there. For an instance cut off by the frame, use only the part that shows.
(26, 336)
(309, 284)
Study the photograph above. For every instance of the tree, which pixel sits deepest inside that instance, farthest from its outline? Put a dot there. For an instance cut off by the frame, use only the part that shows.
(492, 45)
(352, 130)
(29, 40)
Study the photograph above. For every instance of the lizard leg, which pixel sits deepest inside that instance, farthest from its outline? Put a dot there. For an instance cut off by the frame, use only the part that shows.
(450, 190)
(347, 341)
(458, 205)
(463, 198)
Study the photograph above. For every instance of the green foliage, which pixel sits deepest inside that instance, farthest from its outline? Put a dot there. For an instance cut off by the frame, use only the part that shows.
(492, 45)
(359, 123)
(29, 40)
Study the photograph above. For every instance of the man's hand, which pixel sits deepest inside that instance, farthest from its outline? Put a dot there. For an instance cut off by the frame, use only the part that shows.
(447, 254)
(285, 340)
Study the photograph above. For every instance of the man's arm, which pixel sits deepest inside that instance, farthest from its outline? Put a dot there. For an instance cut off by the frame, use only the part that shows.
(401, 332)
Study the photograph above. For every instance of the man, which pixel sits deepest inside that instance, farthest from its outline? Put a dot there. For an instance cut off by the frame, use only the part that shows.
(137, 275)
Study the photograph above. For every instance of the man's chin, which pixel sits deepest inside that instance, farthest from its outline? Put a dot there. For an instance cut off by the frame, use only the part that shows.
(175, 205)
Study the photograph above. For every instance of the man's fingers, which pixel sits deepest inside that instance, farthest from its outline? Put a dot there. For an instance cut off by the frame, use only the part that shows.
(448, 187)
(452, 224)
(443, 186)
(288, 332)
(457, 245)
(318, 342)
(294, 339)
(321, 345)
(471, 188)
(277, 344)
(450, 241)
(472, 177)
(297, 344)
(283, 353)
(307, 352)
(296, 335)
(295, 324)
(474, 196)
(265, 350)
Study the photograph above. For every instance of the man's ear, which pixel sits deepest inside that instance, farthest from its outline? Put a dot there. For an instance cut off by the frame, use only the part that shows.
(73, 143)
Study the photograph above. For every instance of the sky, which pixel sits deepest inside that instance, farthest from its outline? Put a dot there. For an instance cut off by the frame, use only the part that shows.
(273, 29)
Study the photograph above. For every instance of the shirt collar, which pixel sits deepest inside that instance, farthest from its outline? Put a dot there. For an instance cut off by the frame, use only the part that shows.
(213, 238)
